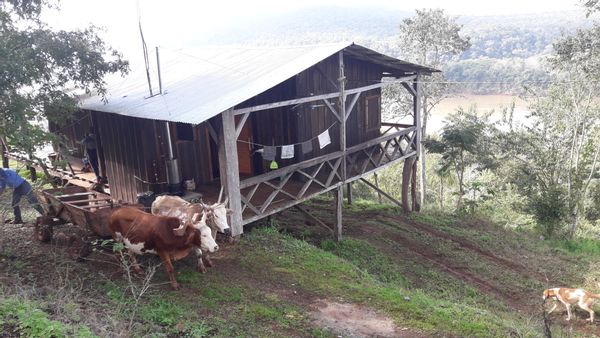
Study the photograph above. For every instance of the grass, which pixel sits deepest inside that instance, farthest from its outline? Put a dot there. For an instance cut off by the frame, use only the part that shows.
(252, 297)
(33, 321)
(328, 274)
(580, 247)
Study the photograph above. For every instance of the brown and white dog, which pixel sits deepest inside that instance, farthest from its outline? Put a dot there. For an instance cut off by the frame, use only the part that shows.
(569, 296)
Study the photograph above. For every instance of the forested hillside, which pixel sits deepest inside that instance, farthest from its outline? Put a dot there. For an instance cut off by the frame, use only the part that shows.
(505, 49)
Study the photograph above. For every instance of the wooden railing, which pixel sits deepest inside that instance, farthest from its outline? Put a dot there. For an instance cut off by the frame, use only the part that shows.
(301, 181)
(311, 177)
(379, 152)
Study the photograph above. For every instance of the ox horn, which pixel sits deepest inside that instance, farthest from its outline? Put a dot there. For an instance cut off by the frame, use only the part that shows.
(220, 195)
(195, 217)
(181, 230)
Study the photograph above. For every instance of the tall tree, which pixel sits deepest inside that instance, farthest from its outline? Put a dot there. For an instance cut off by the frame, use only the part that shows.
(41, 70)
(557, 153)
(431, 38)
(463, 145)
(591, 6)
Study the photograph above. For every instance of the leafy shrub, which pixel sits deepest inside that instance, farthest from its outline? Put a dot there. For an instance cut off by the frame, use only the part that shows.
(549, 208)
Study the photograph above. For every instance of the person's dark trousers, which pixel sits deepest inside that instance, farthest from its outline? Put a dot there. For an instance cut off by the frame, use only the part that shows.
(24, 189)
(93, 158)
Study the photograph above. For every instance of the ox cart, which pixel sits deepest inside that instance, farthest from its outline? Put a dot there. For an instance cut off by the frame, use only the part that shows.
(87, 210)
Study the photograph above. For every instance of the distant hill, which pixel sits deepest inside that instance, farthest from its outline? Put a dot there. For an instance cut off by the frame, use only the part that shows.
(501, 45)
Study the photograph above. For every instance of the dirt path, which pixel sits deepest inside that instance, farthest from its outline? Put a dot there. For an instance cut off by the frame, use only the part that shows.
(519, 268)
(344, 319)
(426, 253)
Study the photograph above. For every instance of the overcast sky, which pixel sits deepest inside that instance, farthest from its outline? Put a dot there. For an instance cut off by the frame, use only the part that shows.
(163, 19)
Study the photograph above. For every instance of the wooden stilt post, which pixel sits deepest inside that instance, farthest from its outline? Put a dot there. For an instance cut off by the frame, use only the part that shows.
(338, 200)
(229, 170)
(418, 88)
(342, 112)
(339, 192)
(349, 193)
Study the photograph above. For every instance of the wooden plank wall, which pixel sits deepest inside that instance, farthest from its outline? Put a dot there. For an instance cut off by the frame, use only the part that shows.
(194, 156)
(272, 127)
(322, 79)
(359, 74)
(132, 150)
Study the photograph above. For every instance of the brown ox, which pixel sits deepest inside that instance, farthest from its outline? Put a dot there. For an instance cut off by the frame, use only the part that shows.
(143, 233)
(174, 206)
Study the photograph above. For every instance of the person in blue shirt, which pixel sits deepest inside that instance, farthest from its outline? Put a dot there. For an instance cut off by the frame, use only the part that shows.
(10, 178)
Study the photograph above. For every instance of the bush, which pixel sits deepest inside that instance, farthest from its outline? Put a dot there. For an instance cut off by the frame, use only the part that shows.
(549, 207)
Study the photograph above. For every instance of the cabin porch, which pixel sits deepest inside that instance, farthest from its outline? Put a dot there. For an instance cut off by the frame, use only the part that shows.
(271, 192)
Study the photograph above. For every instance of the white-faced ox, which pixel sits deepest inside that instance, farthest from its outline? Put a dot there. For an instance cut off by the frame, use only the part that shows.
(215, 214)
(164, 236)
(178, 207)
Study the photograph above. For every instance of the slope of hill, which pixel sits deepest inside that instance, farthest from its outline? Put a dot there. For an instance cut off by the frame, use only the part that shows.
(392, 276)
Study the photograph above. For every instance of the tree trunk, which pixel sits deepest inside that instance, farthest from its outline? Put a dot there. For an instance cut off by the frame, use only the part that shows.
(32, 173)
(416, 206)
(574, 223)
(441, 193)
(4, 155)
(406, 177)
(377, 185)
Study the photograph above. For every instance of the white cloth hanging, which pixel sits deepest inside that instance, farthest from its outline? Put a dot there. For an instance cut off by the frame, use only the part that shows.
(324, 139)
(287, 151)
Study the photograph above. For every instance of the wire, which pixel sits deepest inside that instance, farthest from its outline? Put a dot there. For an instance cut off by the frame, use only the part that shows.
(290, 144)
(74, 122)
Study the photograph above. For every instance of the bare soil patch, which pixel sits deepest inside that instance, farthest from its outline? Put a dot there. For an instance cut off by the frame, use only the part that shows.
(353, 321)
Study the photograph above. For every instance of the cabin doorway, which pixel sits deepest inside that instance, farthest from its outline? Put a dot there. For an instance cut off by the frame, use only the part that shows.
(245, 147)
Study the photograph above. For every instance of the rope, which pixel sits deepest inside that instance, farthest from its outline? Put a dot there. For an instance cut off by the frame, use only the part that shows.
(290, 144)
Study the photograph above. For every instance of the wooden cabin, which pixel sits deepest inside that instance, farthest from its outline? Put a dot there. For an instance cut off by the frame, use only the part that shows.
(215, 115)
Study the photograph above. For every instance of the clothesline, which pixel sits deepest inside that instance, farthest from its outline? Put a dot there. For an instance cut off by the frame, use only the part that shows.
(289, 144)
(269, 153)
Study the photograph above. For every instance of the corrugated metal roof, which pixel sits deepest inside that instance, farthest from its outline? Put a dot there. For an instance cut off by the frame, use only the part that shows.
(201, 83)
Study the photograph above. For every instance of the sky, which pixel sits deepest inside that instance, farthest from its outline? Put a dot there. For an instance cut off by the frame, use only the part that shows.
(163, 21)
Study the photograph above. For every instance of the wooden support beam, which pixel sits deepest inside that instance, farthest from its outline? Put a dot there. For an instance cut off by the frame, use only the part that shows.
(85, 193)
(381, 191)
(418, 86)
(417, 111)
(238, 128)
(314, 218)
(212, 132)
(410, 89)
(342, 100)
(338, 200)
(352, 104)
(333, 110)
(229, 170)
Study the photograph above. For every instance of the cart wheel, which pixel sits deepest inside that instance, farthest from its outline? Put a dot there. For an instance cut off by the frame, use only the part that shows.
(43, 229)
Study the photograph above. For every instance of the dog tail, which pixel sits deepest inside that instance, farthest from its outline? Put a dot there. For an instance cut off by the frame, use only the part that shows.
(595, 295)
